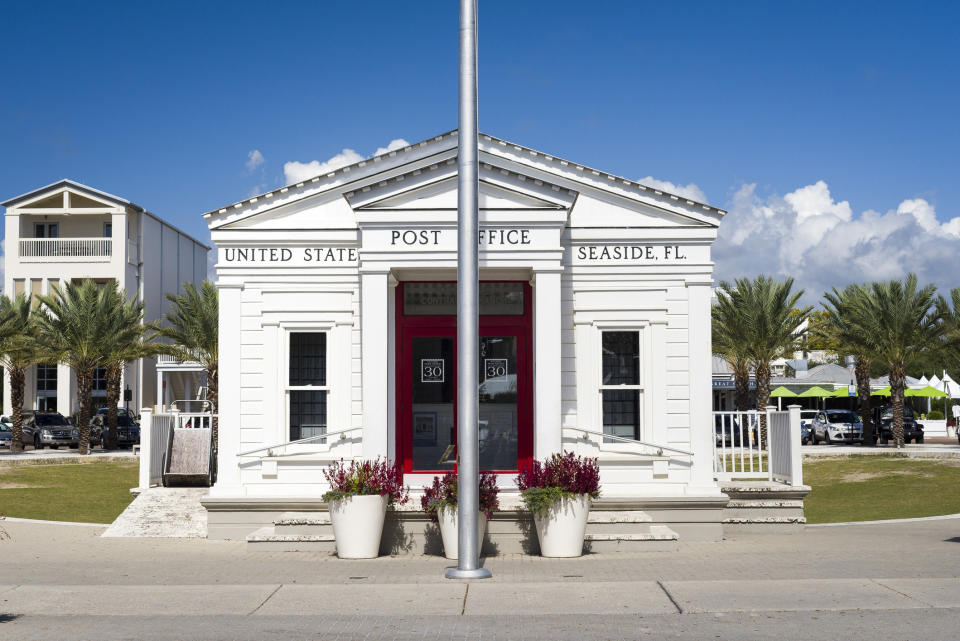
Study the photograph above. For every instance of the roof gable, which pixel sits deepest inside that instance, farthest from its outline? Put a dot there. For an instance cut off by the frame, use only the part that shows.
(78, 196)
(441, 151)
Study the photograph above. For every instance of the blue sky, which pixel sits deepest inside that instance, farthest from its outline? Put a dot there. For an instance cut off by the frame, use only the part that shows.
(813, 119)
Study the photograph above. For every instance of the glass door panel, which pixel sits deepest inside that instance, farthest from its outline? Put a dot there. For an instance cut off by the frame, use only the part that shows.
(498, 402)
(433, 394)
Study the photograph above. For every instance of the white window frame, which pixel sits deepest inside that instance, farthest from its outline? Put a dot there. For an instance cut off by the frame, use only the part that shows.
(287, 387)
(643, 413)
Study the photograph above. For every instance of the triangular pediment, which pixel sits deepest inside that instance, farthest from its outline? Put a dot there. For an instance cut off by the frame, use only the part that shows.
(67, 194)
(442, 195)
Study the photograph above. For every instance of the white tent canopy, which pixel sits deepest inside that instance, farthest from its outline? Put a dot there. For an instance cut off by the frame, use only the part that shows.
(950, 386)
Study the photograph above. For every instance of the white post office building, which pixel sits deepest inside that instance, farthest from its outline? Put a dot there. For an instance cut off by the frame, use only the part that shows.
(337, 316)
(66, 232)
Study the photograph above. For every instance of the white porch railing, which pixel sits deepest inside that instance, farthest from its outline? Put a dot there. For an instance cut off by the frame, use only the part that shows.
(155, 438)
(786, 460)
(739, 454)
(34, 250)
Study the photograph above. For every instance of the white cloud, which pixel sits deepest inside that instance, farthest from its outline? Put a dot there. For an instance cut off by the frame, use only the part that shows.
(296, 172)
(691, 191)
(393, 145)
(821, 243)
(254, 159)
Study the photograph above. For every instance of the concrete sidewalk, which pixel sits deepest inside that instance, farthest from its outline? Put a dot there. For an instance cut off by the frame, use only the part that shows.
(844, 582)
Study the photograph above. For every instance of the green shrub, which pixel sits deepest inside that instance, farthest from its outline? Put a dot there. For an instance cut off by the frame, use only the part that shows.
(935, 415)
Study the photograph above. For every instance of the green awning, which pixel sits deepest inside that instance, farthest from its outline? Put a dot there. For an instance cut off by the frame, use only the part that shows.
(881, 392)
(815, 392)
(926, 392)
(782, 392)
(843, 392)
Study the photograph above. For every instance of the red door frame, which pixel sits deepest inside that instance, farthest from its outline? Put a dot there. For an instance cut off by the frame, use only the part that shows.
(446, 325)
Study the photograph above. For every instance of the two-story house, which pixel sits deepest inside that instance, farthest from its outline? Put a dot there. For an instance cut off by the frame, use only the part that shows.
(68, 232)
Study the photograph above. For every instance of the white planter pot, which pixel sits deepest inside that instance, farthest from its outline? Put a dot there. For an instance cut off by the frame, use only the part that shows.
(357, 525)
(562, 528)
(450, 533)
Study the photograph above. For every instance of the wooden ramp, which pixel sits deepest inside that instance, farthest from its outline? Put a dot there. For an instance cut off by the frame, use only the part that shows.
(188, 459)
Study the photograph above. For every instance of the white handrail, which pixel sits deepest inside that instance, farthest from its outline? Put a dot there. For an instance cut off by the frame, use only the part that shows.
(659, 448)
(302, 440)
(66, 248)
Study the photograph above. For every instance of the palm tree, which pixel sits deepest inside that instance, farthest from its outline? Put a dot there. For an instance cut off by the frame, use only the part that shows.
(192, 328)
(75, 323)
(901, 322)
(729, 342)
(129, 340)
(18, 351)
(847, 316)
(769, 326)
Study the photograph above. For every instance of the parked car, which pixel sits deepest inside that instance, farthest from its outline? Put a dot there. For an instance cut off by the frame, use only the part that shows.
(805, 432)
(836, 426)
(48, 429)
(128, 430)
(883, 424)
(6, 434)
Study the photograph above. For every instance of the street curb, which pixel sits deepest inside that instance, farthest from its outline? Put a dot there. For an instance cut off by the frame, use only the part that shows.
(889, 521)
(14, 519)
(66, 460)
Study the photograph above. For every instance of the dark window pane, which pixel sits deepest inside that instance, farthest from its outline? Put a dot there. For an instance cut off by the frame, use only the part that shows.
(46, 378)
(100, 379)
(621, 358)
(308, 358)
(621, 413)
(308, 413)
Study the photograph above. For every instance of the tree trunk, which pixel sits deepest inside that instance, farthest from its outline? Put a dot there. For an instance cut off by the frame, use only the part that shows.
(897, 385)
(16, 401)
(84, 387)
(862, 372)
(114, 372)
(741, 380)
(212, 396)
(762, 372)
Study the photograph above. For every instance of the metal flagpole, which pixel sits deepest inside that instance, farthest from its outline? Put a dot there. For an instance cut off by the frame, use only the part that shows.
(468, 347)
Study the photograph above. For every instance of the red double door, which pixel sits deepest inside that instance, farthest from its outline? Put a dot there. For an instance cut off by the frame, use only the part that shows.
(427, 384)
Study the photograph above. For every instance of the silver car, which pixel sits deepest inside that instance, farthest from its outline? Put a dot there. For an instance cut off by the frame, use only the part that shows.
(48, 429)
(836, 426)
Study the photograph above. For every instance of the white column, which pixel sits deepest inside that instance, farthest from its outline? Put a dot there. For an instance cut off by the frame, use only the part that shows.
(7, 406)
(796, 453)
(546, 364)
(701, 399)
(374, 362)
(228, 465)
(146, 446)
(65, 392)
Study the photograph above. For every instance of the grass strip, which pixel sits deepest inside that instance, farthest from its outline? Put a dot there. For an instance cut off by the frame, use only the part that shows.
(82, 492)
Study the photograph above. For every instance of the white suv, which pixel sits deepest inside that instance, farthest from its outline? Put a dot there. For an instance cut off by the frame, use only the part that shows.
(836, 426)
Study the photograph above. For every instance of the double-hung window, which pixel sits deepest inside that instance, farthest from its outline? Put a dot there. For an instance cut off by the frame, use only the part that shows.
(307, 389)
(620, 390)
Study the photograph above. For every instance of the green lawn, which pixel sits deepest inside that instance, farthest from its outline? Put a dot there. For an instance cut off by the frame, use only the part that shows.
(89, 492)
(867, 488)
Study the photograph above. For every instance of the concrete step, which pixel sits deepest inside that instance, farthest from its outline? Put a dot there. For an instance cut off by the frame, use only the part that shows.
(267, 539)
(303, 523)
(657, 538)
(619, 516)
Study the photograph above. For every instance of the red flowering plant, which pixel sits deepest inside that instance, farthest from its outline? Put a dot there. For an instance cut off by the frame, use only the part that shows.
(364, 479)
(443, 493)
(560, 477)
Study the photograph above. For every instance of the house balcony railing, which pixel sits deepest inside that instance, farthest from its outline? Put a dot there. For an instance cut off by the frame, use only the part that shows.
(66, 250)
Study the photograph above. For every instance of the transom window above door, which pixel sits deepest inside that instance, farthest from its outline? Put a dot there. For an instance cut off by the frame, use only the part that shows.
(440, 299)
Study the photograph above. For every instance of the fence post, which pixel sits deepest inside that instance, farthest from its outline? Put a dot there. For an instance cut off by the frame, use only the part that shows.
(769, 444)
(176, 417)
(146, 446)
(796, 451)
